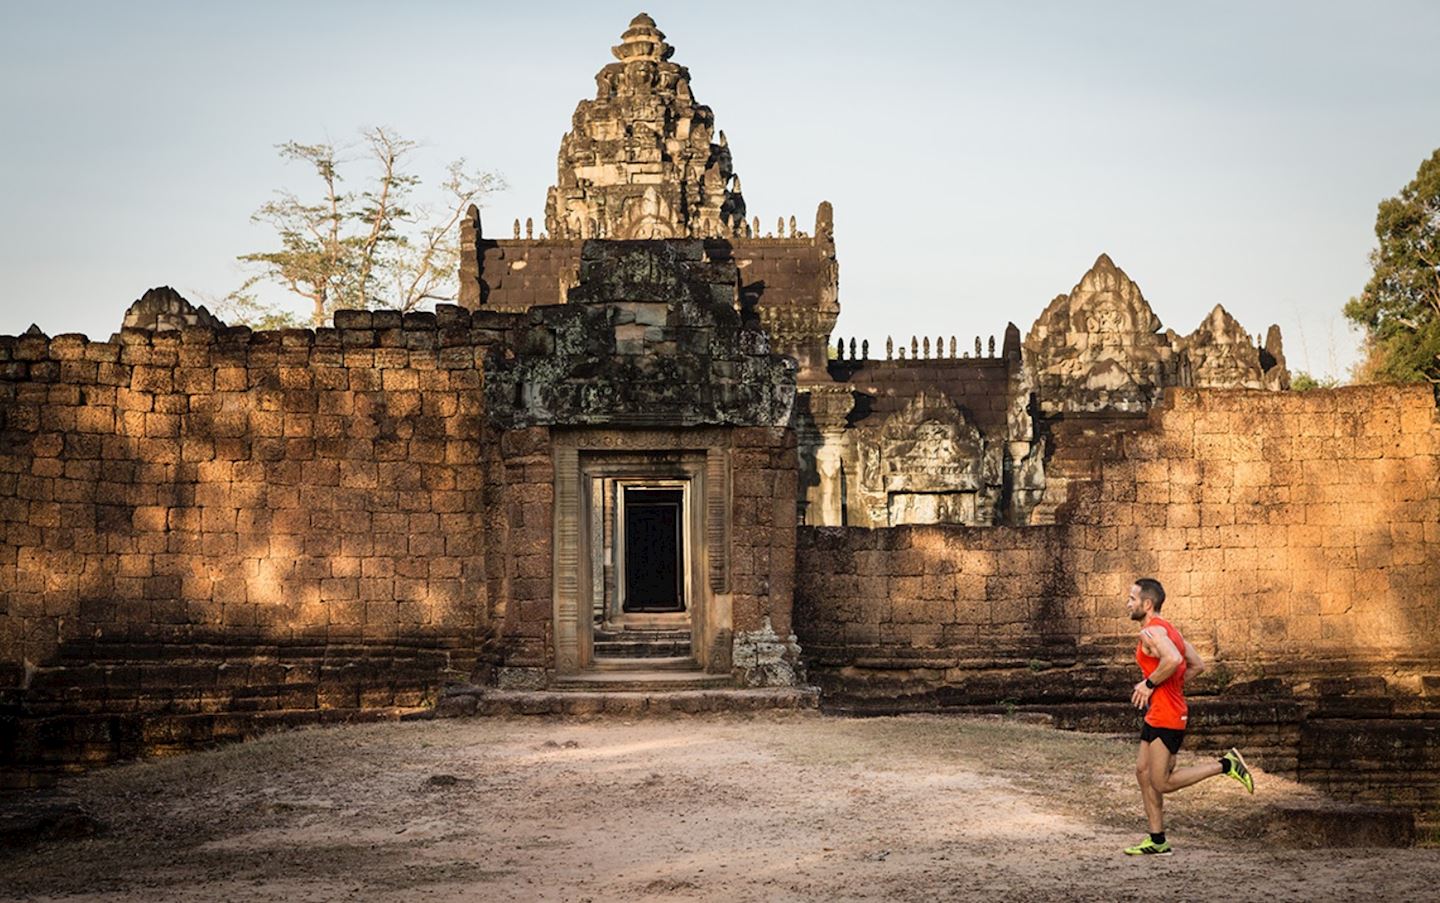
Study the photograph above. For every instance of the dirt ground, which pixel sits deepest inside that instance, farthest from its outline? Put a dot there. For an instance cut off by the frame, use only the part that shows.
(785, 806)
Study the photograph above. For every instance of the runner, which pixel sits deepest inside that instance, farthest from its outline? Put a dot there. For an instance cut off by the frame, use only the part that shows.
(1165, 659)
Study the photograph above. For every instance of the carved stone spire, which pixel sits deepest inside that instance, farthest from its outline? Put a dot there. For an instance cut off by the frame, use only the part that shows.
(643, 160)
(642, 41)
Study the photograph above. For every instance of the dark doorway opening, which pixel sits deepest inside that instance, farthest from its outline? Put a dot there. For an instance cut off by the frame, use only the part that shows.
(654, 550)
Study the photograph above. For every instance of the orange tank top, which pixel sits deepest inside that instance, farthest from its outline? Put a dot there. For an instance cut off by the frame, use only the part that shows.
(1167, 703)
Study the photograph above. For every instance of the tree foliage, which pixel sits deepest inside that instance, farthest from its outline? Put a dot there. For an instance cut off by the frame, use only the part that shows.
(1304, 382)
(367, 248)
(1400, 306)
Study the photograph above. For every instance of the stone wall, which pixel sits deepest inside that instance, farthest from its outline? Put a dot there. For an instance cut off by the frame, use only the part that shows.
(515, 275)
(519, 521)
(763, 528)
(1297, 534)
(202, 532)
(792, 282)
(980, 385)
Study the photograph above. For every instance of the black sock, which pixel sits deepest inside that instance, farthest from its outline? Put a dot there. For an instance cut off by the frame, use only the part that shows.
(1157, 839)
(1225, 765)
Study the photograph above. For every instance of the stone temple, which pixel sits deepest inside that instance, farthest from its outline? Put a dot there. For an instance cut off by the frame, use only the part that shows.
(636, 456)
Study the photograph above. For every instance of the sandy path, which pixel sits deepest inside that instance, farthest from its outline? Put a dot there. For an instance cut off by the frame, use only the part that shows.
(772, 807)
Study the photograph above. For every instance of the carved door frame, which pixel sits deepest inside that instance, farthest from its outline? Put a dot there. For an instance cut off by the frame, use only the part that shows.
(700, 457)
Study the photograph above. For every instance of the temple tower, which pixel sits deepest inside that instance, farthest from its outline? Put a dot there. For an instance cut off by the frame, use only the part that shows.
(643, 159)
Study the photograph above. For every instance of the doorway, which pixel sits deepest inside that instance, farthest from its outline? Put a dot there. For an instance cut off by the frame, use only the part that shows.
(641, 551)
(653, 551)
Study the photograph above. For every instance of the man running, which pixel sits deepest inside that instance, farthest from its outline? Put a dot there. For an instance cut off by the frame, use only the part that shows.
(1165, 658)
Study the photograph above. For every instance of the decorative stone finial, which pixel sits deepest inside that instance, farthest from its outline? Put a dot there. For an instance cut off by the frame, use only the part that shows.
(825, 222)
(642, 41)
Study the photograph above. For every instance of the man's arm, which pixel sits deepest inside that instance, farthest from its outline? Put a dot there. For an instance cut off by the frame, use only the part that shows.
(1156, 643)
(1194, 664)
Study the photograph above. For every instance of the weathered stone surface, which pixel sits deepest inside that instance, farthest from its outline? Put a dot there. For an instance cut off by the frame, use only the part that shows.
(1281, 557)
(163, 308)
(579, 703)
(1330, 825)
(762, 658)
(1220, 354)
(643, 160)
(1100, 346)
(651, 337)
(925, 463)
(1099, 349)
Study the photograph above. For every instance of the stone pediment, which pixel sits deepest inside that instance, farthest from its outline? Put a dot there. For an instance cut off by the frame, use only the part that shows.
(926, 463)
(1099, 347)
(1221, 354)
(650, 337)
(163, 308)
(927, 446)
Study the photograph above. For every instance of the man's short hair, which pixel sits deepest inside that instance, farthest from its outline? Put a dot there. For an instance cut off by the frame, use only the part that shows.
(1151, 589)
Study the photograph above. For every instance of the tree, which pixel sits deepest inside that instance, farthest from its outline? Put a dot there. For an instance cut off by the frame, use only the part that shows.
(1304, 382)
(361, 249)
(1400, 306)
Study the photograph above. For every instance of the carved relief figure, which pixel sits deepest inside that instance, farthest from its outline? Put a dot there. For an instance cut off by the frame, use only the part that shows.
(1098, 348)
(925, 463)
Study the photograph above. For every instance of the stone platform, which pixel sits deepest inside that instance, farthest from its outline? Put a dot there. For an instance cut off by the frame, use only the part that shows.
(1331, 823)
(468, 700)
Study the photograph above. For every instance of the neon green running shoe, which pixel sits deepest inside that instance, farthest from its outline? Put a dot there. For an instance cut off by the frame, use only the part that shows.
(1148, 847)
(1238, 770)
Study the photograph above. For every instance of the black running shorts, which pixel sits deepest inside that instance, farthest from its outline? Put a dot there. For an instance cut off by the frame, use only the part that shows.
(1167, 735)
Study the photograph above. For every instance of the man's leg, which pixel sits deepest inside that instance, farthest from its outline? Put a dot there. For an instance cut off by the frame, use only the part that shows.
(1154, 800)
(1166, 779)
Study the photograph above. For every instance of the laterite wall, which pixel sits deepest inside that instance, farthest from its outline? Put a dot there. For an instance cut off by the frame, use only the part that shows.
(205, 532)
(1297, 534)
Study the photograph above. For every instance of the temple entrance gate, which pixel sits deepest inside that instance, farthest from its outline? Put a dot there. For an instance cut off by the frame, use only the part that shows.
(642, 535)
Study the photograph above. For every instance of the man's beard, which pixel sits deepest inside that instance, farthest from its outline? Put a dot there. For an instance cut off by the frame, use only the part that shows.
(1137, 615)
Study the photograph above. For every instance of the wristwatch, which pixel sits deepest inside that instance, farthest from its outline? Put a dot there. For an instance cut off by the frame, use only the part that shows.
(1149, 684)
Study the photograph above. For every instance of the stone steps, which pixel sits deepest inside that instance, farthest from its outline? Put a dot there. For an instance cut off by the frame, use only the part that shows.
(488, 701)
(638, 648)
(650, 681)
(641, 643)
(647, 662)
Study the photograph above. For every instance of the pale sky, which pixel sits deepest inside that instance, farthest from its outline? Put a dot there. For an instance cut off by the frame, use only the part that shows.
(979, 155)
